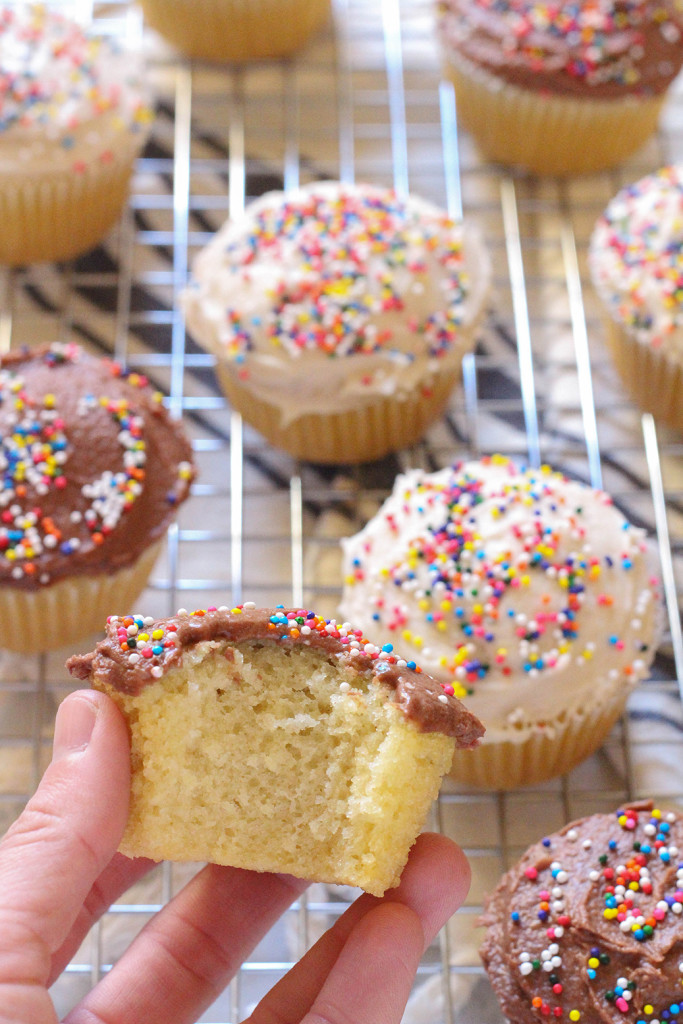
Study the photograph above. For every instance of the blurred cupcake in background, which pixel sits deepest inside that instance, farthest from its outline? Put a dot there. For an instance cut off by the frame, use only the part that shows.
(560, 88)
(92, 471)
(236, 30)
(636, 263)
(339, 315)
(527, 593)
(73, 118)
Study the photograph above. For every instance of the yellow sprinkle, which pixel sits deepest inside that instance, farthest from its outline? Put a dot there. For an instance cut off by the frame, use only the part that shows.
(574, 1015)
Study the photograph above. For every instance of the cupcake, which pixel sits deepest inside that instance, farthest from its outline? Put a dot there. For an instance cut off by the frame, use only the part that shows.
(73, 117)
(236, 30)
(339, 315)
(587, 926)
(92, 469)
(636, 263)
(275, 740)
(560, 88)
(526, 592)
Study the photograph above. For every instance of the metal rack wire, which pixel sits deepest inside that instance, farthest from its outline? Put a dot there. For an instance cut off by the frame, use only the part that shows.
(364, 102)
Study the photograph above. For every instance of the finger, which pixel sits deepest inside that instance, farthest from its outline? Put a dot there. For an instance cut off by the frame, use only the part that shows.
(116, 878)
(183, 959)
(434, 883)
(66, 836)
(374, 973)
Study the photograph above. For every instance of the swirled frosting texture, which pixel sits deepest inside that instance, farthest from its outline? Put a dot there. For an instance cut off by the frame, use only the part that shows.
(636, 259)
(67, 96)
(587, 926)
(321, 298)
(528, 592)
(594, 47)
(92, 467)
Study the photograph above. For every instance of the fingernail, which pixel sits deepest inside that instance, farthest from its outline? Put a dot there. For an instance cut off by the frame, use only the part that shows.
(73, 726)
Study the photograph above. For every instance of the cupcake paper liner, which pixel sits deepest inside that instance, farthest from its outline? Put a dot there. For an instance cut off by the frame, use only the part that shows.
(554, 135)
(536, 758)
(356, 435)
(236, 30)
(652, 377)
(69, 610)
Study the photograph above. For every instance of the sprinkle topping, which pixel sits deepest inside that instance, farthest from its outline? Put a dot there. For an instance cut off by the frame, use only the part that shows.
(489, 572)
(347, 272)
(56, 75)
(49, 508)
(585, 929)
(636, 258)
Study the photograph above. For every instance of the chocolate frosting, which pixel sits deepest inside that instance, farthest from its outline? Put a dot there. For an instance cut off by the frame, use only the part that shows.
(92, 467)
(589, 922)
(597, 49)
(137, 652)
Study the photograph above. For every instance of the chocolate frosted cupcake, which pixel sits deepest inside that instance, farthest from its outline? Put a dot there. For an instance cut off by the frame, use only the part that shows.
(560, 88)
(92, 469)
(587, 926)
(276, 740)
(526, 592)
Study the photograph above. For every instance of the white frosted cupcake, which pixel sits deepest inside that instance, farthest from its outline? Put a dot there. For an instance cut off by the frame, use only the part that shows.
(526, 591)
(73, 117)
(236, 30)
(339, 316)
(636, 262)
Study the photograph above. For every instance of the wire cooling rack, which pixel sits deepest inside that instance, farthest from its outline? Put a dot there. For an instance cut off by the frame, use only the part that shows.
(365, 101)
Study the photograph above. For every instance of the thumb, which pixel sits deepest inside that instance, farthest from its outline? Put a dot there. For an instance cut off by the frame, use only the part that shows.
(56, 849)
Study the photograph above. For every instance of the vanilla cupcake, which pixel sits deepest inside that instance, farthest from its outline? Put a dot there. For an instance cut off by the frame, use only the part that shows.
(636, 263)
(236, 30)
(92, 470)
(560, 88)
(73, 118)
(526, 592)
(339, 316)
(587, 925)
(275, 740)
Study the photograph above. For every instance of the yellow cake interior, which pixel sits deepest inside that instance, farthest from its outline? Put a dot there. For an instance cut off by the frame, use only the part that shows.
(278, 760)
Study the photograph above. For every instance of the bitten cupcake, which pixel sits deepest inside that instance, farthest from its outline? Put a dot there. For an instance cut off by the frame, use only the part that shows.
(276, 740)
(73, 118)
(339, 315)
(560, 88)
(526, 593)
(92, 469)
(236, 30)
(587, 926)
(636, 263)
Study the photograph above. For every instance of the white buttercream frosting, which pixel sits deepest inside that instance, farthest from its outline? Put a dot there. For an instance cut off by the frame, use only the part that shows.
(322, 298)
(523, 590)
(68, 98)
(636, 259)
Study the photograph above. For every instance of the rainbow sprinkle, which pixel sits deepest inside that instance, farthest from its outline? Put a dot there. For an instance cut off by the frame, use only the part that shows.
(34, 468)
(636, 258)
